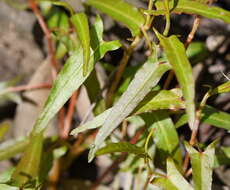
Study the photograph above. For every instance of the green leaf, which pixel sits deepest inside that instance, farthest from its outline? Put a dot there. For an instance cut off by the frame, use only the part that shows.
(80, 22)
(8, 187)
(223, 88)
(222, 156)
(10, 148)
(6, 175)
(4, 128)
(59, 21)
(209, 116)
(69, 79)
(197, 51)
(174, 180)
(122, 147)
(93, 124)
(60, 3)
(164, 136)
(97, 43)
(215, 117)
(145, 79)
(121, 12)
(28, 167)
(182, 120)
(176, 55)
(175, 176)
(193, 7)
(164, 99)
(202, 166)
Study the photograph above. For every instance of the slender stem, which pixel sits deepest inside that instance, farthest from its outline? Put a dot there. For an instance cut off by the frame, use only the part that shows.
(54, 175)
(120, 71)
(45, 29)
(191, 35)
(167, 16)
(69, 116)
(148, 17)
(26, 87)
(192, 140)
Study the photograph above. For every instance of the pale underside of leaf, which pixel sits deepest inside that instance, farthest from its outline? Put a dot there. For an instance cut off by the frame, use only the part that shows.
(146, 78)
(69, 79)
(175, 177)
(95, 123)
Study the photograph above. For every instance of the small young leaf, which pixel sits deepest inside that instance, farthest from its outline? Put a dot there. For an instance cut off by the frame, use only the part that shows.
(164, 99)
(80, 22)
(223, 88)
(193, 7)
(164, 136)
(95, 123)
(202, 166)
(176, 55)
(145, 79)
(122, 12)
(29, 165)
(122, 147)
(100, 46)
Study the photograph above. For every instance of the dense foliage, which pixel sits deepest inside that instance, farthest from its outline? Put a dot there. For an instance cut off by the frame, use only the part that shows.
(140, 111)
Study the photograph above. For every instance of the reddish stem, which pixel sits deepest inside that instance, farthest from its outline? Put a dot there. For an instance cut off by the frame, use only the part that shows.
(69, 116)
(27, 87)
(45, 29)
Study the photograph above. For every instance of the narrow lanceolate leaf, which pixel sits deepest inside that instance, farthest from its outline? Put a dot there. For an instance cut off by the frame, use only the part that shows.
(122, 12)
(164, 99)
(193, 7)
(93, 124)
(174, 180)
(122, 147)
(223, 88)
(69, 79)
(28, 167)
(100, 46)
(215, 117)
(202, 166)
(176, 55)
(165, 137)
(81, 25)
(145, 79)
